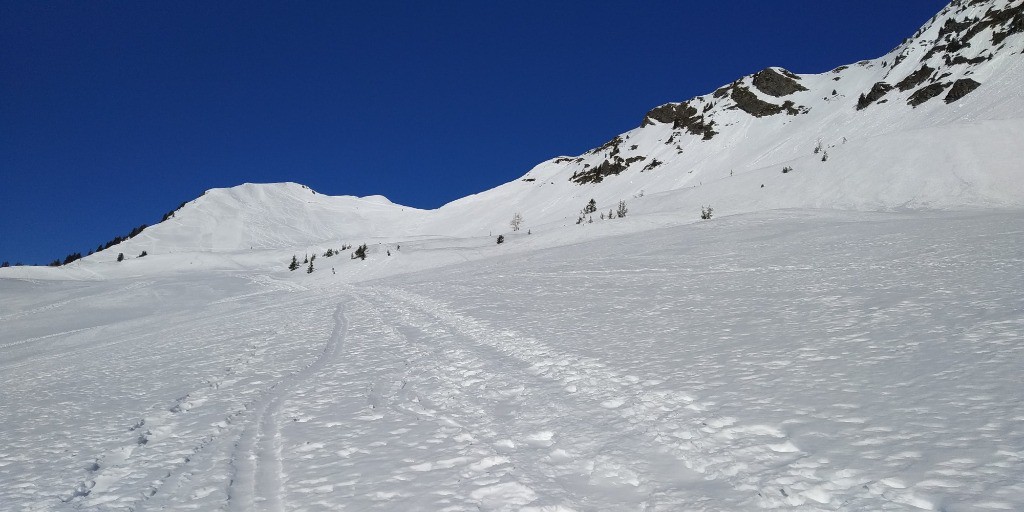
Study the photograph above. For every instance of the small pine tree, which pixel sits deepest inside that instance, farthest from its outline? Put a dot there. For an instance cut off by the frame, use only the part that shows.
(120, 256)
(824, 156)
(309, 270)
(591, 207)
(609, 215)
(143, 254)
(705, 212)
(5, 264)
(306, 260)
(501, 239)
(622, 211)
(360, 252)
(294, 264)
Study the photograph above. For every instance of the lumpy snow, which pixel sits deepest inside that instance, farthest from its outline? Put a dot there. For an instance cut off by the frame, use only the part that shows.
(846, 332)
(782, 360)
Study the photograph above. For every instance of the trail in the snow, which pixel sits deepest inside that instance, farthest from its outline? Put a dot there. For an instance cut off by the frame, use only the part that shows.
(256, 461)
(748, 459)
(536, 423)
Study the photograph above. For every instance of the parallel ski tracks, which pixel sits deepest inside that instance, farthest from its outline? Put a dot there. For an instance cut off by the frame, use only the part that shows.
(256, 460)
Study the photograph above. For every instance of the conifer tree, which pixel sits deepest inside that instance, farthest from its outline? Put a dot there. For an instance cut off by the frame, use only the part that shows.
(120, 256)
(309, 270)
(294, 264)
(360, 252)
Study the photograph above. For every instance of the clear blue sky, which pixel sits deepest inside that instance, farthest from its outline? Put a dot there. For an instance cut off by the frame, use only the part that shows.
(112, 113)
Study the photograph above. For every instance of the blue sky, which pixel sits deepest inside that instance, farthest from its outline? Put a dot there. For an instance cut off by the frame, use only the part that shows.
(113, 113)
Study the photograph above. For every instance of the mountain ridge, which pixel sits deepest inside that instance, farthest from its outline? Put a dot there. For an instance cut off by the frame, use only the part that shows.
(930, 125)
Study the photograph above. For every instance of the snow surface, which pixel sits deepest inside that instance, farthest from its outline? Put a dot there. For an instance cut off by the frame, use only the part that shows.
(798, 360)
(845, 336)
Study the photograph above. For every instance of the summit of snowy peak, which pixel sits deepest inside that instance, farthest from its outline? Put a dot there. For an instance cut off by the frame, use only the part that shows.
(255, 216)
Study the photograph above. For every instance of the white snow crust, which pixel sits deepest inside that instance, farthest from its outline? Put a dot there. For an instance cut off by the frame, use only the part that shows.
(845, 336)
(791, 360)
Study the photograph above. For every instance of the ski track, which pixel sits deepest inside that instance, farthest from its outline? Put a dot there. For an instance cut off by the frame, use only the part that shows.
(171, 449)
(256, 462)
(759, 463)
(428, 396)
(716, 447)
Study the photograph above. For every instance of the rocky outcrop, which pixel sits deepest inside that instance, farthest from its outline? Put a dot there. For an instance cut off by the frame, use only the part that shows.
(748, 102)
(915, 79)
(961, 88)
(682, 116)
(876, 93)
(610, 167)
(774, 83)
(926, 93)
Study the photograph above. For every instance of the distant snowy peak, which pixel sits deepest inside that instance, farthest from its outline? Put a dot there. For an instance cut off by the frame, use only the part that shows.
(935, 123)
(268, 216)
(962, 49)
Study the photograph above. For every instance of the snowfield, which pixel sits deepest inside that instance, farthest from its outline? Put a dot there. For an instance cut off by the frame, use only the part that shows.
(847, 332)
(791, 360)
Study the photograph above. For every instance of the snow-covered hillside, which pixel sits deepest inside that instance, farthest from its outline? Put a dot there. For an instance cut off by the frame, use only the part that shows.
(781, 361)
(937, 123)
(845, 335)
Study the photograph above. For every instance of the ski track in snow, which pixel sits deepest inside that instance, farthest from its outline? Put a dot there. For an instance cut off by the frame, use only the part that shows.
(256, 463)
(747, 456)
(711, 371)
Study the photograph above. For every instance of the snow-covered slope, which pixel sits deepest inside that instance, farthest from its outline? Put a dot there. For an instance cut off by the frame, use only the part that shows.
(937, 123)
(775, 361)
(829, 341)
(958, 149)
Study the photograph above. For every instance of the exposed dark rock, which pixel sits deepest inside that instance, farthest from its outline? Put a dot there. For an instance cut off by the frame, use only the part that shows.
(748, 102)
(915, 79)
(682, 116)
(609, 167)
(926, 93)
(961, 88)
(877, 91)
(1004, 24)
(952, 26)
(654, 163)
(960, 59)
(774, 83)
(597, 174)
(612, 146)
